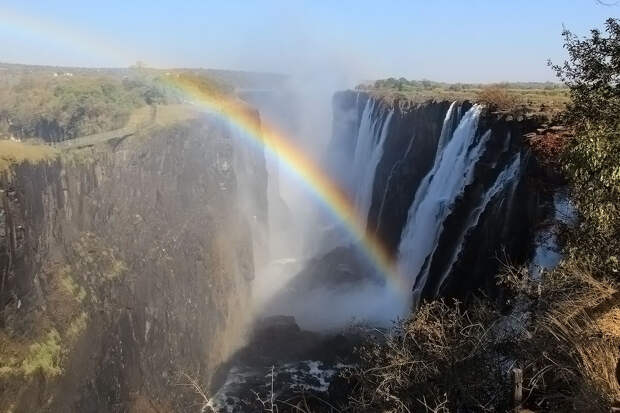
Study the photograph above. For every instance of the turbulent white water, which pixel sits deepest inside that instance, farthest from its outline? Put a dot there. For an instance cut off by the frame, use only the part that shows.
(368, 153)
(505, 178)
(451, 172)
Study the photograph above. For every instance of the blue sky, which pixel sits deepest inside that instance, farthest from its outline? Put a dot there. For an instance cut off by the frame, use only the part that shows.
(469, 41)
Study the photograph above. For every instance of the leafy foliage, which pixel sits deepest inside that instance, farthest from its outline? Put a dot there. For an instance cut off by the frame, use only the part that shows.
(592, 158)
(546, 98)
(57, 107)
(44, 356)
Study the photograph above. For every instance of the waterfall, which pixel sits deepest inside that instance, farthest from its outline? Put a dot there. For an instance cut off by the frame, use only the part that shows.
(507, 176)
(369, 157)
(371, 135)
(446, 129)
(451, 172)
(363, 143)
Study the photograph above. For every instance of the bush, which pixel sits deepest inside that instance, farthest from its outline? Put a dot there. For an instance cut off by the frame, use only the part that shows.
(443, 358)
(44, 357)
(592, 158)
(499, 98)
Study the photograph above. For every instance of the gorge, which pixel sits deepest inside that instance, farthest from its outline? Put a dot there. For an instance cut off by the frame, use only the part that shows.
(140, 253)
(309, 207)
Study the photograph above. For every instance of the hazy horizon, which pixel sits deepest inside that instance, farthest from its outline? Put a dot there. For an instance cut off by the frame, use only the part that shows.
(473, 42)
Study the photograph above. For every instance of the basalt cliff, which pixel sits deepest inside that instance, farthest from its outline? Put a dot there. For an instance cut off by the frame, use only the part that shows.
(126, 268)
(127, 264)
(449, 187)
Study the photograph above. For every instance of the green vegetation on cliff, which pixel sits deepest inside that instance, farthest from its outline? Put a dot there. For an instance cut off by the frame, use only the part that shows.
(56, 105)
(12, 153)
(36, 341)
(592, 158)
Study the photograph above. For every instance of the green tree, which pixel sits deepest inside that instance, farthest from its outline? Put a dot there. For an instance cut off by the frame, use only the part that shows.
(592, 157)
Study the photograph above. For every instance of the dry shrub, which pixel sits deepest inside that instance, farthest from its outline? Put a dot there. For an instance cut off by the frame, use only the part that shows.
(549, 146)
(441, 359)
(570, 358)
(570, 288)
(498, 98)
(448, 357)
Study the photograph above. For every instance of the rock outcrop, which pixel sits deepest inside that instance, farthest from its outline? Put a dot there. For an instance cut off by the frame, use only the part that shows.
(473, 235)
(123, 265)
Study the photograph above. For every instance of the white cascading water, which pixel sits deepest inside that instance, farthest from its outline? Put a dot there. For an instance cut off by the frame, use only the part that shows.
(369, 156)
(452, 171)
(363, 144)
(506, 177)
(446, 130)
(360, 176)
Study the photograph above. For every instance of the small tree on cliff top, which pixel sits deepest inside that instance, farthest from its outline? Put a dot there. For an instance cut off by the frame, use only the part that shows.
(592, 157)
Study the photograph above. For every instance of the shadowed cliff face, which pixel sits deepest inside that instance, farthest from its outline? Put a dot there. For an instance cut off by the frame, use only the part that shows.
(477, 236)
(408, 152)
(492, 215)
(132, 263)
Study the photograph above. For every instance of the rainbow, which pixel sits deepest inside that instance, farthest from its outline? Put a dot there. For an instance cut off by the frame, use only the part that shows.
(237, 114)
(317, 181)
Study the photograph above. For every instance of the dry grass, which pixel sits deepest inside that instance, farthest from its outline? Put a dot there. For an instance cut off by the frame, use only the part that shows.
(12, 152)
(547, 102)
(609, 323)
(443, 358)
(448, 357)
(570, 360)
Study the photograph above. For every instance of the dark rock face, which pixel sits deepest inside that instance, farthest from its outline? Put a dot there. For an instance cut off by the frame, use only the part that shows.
(465, 258)
(408, 156)
(145, 250)
(505, 228)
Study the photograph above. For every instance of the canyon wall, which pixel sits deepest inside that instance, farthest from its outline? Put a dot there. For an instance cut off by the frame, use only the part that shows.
(470, 168)
(124, 265)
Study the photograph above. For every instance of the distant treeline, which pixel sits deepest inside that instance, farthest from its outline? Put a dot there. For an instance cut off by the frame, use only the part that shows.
(404, 84)
(544, 98)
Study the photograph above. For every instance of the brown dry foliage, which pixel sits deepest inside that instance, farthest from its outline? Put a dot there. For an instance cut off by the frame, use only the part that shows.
(448, 357)
(443, 358)
(570, 360)
(498, 98)
(548, 147)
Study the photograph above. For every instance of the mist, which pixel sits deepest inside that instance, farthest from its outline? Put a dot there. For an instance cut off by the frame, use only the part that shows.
(301, 229)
